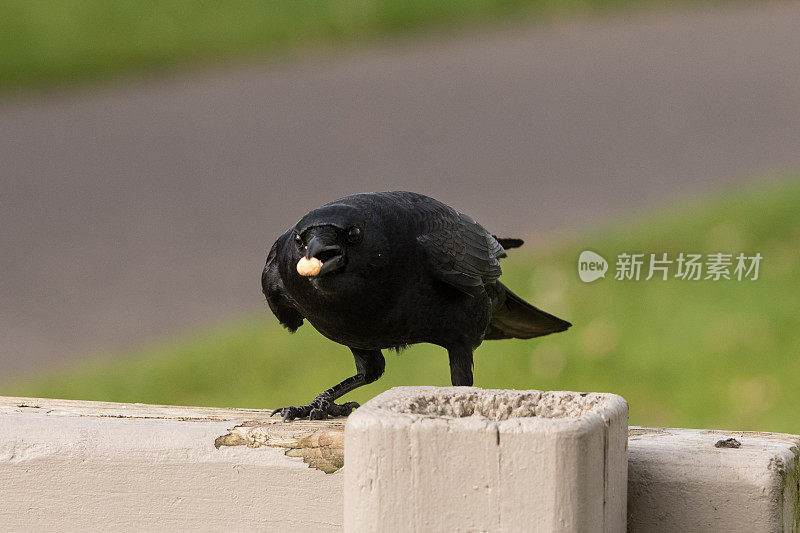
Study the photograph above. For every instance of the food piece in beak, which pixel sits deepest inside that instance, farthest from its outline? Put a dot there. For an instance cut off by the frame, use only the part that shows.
(309, 267)
(328, 257)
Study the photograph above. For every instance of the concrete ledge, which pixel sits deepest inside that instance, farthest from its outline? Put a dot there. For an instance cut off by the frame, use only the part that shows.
(93, 466)
(468, 459)
(697, 480)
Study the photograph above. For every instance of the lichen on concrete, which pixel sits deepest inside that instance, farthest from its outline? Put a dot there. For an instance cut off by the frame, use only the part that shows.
(793, 485)
(319, 444)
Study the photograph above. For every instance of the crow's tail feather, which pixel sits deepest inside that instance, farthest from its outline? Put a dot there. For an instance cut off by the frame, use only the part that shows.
(509, 243)
(517, 319)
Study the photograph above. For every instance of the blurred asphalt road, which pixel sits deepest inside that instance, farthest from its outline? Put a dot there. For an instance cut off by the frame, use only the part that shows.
(135, 210)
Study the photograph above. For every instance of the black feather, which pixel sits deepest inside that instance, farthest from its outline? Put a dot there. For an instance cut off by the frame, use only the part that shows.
(514, 318)
(509, 243)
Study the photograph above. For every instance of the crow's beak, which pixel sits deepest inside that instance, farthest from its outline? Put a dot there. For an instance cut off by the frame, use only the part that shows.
(317, 248)
(331, 255)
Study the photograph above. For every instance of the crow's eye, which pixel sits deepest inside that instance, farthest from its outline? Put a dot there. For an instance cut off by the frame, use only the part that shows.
(354, 235)
(298, 241)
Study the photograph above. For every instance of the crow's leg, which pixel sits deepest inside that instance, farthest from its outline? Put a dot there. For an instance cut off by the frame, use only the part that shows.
(460, 366)
(369, 367)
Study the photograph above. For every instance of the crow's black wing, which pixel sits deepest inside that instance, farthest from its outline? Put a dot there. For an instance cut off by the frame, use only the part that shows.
(462, 252)
(272, 285)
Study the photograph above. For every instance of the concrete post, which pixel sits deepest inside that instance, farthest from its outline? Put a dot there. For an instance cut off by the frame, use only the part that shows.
(468, 459)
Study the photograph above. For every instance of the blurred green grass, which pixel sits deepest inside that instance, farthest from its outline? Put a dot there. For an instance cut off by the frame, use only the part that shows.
(683, 353)
(44, 42)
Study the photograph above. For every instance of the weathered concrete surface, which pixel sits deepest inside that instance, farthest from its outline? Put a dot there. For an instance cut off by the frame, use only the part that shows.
(683, 480)
(82, 408)
(131, 211)
(93, 466)
(468, 459)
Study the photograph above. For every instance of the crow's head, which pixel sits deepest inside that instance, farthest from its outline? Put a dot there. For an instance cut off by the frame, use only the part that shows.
(334, 239)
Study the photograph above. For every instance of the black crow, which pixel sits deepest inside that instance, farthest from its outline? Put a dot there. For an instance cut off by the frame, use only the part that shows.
(389, 269)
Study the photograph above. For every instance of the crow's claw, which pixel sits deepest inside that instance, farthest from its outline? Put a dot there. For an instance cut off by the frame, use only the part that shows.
(317, 414)
(321, 408)
(342, 410)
